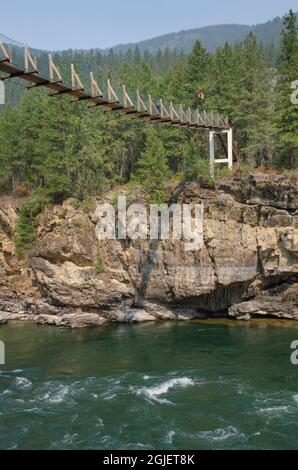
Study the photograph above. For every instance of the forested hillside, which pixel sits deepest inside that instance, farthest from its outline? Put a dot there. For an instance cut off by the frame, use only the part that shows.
(59, 149)
(211, 37)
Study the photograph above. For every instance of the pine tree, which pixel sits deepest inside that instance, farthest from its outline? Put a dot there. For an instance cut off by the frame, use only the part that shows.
(253, 104)
(198, 76)
(195, 166)
(31, 115)
(172, 84)
(137, 55)
(58, 141)
(226, 77)
(152, 169)
(24, 234)
(190, 164)
(12, 168)
(287, 112)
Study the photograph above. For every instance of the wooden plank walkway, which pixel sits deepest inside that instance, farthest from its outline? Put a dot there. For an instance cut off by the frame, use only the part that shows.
(141, 109)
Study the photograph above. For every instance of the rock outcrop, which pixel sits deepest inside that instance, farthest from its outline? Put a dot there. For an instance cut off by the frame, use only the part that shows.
(247, 265)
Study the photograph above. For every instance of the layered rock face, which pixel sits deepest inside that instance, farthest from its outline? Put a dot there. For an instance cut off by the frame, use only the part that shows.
(247, 265)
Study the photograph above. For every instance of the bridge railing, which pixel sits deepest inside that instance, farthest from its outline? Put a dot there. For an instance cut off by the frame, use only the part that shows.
(17, 61)
(114, 94)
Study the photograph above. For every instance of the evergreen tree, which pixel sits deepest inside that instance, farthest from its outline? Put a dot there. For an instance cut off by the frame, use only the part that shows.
(195, 166)
(152, 169)
(12, 168)
(287, 112)
(190, 164)
(198, 76)
(253, 104)
(58, 139)
(24, 234)
(172, 84)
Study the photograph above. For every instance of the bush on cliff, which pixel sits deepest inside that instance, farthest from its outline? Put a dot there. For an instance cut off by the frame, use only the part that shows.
(24, 234)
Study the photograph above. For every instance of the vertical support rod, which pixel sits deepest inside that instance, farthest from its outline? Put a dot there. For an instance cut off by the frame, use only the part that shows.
(73, 80)
(26, 61)
(124, 97)
(230, 147)
(211, 152)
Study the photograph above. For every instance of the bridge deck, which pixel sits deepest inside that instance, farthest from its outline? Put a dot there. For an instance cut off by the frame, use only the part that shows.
(151, 113)
(140, 109)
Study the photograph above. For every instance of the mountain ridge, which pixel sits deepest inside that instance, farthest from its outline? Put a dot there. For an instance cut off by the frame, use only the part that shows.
(212, 37)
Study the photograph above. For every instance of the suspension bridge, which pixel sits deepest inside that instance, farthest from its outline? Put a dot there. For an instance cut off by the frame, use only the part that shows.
(121, 103)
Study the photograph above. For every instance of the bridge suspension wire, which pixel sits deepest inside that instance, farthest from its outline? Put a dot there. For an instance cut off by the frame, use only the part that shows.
(121, 102)
(8, 40)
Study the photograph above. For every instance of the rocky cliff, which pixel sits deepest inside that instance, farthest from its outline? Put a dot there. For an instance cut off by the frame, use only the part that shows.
(247, 266)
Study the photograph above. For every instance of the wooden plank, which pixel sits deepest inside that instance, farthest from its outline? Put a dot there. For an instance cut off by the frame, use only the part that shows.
(173, 114)
(112, 97)
(141, 109)
(165, 116)
(61, 92)
(5, 53)
(15, 74)
(37, 85)
(140, 104)
(95, 90)
(152, 109)
(75, 80)
(29, 61)
(183, 118)
(126, 99)
(97, 102)
(128, 106)
(54, 71)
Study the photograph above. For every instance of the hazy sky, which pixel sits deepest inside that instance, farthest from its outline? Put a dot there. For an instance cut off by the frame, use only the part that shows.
(63, 24)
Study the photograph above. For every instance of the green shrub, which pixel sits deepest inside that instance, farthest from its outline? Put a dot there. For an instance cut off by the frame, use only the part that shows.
(99, 267)
(24, 234)
(78, 222)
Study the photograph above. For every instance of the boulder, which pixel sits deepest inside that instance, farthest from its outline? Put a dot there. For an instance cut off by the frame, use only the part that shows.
(74, 320)
(3, 318)
(278, 302)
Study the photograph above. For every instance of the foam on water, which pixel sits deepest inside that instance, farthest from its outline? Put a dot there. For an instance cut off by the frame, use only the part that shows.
(274, 410)
(56, 394)
(22, 383)
(295, 398)
(154, 392)
(170, 436)
(220, 434)
(110, 397)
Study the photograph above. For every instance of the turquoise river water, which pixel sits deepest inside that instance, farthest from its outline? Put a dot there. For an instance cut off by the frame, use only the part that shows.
(197, 385)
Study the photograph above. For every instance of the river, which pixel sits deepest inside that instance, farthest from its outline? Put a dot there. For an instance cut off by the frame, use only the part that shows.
(195, 385)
